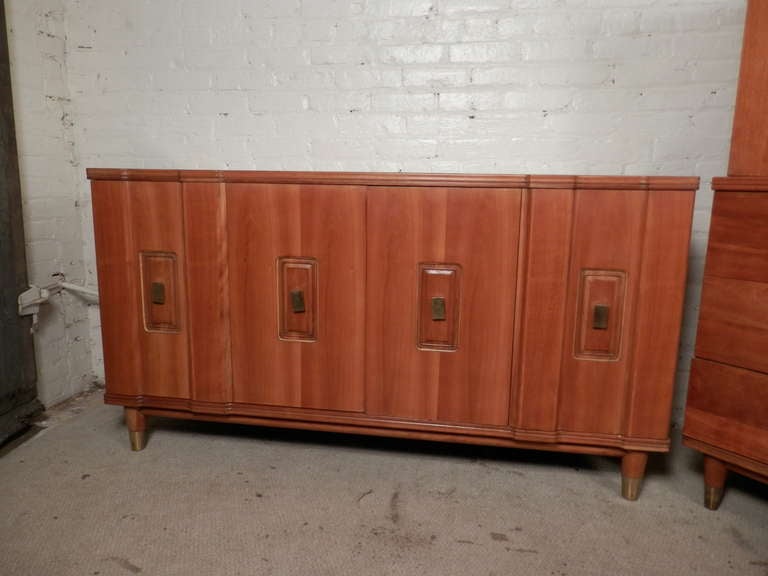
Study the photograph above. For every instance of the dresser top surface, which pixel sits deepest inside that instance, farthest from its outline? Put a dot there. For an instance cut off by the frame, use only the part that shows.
(741, 184)
(401, 179)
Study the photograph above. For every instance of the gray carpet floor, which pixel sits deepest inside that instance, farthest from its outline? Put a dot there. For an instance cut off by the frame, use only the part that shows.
(212, 499)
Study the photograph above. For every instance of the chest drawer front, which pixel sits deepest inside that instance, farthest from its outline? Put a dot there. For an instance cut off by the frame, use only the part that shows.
(726, 407)
(738, 240)
(733, 323)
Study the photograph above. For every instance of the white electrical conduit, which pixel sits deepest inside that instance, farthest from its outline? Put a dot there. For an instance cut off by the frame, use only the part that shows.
(91, 293)
(31, 299)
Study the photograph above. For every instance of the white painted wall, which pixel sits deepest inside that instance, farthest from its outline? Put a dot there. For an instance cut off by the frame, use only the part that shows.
(511, 86)
(54, 204)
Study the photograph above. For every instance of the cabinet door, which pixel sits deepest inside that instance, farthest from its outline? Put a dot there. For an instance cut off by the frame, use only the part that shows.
(604, 287)
(297, 290)
(142, 286)
(442, 264)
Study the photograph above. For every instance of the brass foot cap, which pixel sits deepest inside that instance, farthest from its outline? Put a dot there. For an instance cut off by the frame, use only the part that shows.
(712, 497)
(137, 440)
(630, 488)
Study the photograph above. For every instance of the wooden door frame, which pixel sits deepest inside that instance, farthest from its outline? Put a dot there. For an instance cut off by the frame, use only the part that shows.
(18, 374)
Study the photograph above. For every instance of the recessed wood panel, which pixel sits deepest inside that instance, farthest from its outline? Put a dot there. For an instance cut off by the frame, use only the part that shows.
(733, 323)
(297, 293)
(159, 291)
(322, 223)
(607, 235)
(134, 218)
(600, 315)
(476, 229)
(738, 236)
(205, 221)
(439, 306)
(158, 227)
(550, 216)
(119, 288)
(659, 313)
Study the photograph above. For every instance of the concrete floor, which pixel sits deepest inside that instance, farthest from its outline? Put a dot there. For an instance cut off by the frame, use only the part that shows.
(207, 499)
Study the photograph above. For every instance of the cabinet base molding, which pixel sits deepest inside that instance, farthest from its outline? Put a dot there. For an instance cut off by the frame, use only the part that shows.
(280, 417)
(737, 463)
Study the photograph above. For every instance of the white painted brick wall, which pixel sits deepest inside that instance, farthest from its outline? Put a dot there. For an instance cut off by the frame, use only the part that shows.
(542, 86)
(53, 204)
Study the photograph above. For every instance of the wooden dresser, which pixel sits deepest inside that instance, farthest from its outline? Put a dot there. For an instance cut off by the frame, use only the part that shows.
(534, 312)
(726, 415)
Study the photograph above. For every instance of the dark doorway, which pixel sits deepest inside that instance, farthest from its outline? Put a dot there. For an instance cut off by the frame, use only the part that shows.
(18, 393)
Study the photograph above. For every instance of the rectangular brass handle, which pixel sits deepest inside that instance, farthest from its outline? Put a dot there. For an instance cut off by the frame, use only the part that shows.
(438, 309)
(600, 317)
(297, 302)
(157, 293)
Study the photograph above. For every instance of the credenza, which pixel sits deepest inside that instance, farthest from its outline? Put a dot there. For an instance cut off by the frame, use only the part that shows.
(529, 311)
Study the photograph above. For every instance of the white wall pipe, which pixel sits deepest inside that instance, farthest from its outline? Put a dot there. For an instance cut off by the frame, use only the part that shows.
(80, 290)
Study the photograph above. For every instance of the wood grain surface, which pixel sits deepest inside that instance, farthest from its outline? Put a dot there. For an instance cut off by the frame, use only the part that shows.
(430, 179)
(130, 218)
(119, 299)
(749, 146)
(607, 235)
(738, 236)
(729, 391)
(432, 306)
(157, 225)
(659, 313)
(207, 266)
(542, 331)
(476, 229)
(327, 224)
(733, 323)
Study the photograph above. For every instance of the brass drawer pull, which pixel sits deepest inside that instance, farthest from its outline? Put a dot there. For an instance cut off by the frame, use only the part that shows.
(438, 309)
(157, 295)
(297, 302)
(600, 317)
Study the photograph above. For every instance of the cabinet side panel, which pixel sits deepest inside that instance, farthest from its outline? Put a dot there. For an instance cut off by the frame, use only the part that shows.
(543, 313)
(157, 223)
(476, 230)
(608, 237)
(120, 303)
(660, 295)
(205, 221)
(323, 223)
(749, 146)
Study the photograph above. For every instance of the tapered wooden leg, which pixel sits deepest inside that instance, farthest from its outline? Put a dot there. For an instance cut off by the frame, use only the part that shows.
(137, 428)
(632, 473)
(715, 474)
